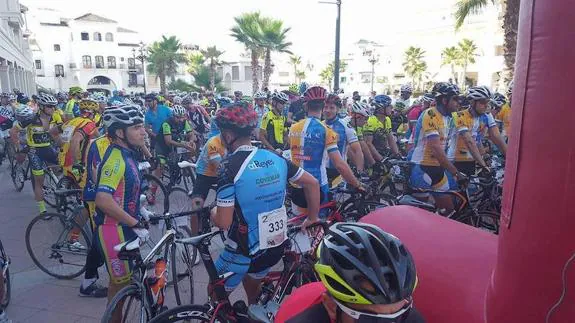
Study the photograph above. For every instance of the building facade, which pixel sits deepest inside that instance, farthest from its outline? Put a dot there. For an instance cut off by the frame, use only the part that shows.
(16, 65)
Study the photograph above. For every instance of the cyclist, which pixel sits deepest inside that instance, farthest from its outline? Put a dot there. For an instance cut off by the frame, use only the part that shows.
(72, 109)
(377, 131)
(346, 136)
(250, 199)
(311, 141)
(156, 115)
(40, 128)
(199, 118)
(359, 117)
(502, 113)
(118, 193)
(102, 105)
(261, 108)
(432, 170)
(405, 92)
(367, 275)
(238, 95)
(470, 124)
(296, 111)
(273, 132)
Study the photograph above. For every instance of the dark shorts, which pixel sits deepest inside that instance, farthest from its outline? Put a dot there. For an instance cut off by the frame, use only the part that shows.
(297, 196)
(432, 178)
(466, 167)
(203, 185)
(41, 157)
(332, 174)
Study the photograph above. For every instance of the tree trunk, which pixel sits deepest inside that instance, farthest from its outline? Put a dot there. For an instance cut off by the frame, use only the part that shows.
(267, 69)
(162, 77)
(295, 73)
(453, 74)
(464, 78)
(510, 25)
(212, 76)
(255, 81)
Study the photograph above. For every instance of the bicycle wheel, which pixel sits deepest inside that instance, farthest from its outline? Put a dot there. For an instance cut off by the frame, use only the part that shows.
(354, 211)
(156, 194)
(181, 202)
(50, 185)
(129, 300)
(189, 179)
(182, 270)
(485, 220)
(48, 243)
(5, 292)
(185, 313)
(18, 175)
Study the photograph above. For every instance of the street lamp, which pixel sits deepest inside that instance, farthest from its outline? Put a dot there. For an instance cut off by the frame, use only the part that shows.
(373, 60)
(142, 50)
(337, 33)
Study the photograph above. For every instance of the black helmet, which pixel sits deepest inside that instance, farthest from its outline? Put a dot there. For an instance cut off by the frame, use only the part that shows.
(444, 88)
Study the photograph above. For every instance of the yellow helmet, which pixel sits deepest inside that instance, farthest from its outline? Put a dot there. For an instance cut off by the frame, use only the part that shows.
(88, 105)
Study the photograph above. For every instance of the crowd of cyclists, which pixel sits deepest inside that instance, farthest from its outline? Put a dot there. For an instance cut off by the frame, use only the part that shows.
(258, 151)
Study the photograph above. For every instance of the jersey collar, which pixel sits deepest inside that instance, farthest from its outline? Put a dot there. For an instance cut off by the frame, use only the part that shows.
(245, 148)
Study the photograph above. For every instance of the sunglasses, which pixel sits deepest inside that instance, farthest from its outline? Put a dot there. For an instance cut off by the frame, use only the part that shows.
(358, 314)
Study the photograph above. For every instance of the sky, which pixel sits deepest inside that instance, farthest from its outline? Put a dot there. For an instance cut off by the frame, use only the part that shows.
(208, 22)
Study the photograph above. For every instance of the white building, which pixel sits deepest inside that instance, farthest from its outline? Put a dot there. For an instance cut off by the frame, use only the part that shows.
(16, 67)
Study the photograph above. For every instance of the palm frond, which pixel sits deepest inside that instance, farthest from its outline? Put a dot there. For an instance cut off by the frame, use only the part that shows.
(465, 8)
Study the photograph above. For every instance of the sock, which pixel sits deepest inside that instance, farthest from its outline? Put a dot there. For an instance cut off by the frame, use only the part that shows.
(41, 206)
(86, 282)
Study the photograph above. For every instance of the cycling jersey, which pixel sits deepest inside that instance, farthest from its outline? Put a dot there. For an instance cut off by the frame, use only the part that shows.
(464, 122)
(297, 110)
(72, 108)
(118, 175)
(36, 134)
(84, 126)
(431, 124)
(92, 159)
(345, 136)
(214, 130)
(210, 157)
(379, 130)
(155, 119)
(274, 125)
(310, 143)
(198, 121)
(254, 181)
(261, 111)
(178, 131)
(504, 116)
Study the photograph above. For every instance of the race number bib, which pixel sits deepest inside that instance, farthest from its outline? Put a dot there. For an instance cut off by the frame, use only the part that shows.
(272, 227)
(67, 133)
(181, 150)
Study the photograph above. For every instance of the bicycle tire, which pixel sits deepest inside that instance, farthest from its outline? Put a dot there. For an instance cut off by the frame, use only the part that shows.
(181, 202)
(184, 313)
(18, 174)
(189, 179)
(128, 293)
(5, 299)
(78, 266)
(156, 202)
(352, 213)
(485, 220)
(50, 185)
(181, 252)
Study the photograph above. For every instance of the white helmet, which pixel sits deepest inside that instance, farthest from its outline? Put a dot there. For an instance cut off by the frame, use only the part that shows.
(260, 95)
(122, 116)
(24, 113)
(360, 108)
(406, 88)
(177, 100)
(280, 96)
(479, 93)
(46, 99)
(179, 110)
(100, 98)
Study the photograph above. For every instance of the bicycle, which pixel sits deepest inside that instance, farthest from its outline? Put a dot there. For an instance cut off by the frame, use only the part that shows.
(5, 283)
(179, 170)
(147, 287)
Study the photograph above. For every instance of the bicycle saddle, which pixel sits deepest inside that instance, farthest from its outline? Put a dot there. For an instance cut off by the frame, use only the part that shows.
(186, 164)
(66, 192)
(128, 245)
(412, 201)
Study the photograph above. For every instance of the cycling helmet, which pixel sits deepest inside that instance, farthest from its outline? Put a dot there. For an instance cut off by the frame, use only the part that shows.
(238, 116)
(428, 97)
(177, 100)
(5, 95)
(24, 113)
(303, 87)
(260, 95)
(223, 101)
(280, 97)
(12, 97)
(465, 103)
(179, 111)
(498, 99)
(510, 88)
(122, 116)
(381, 101)
(406, 88)
(75, 90)
(187, 100)
(294, 88)
(315, 93)
(100, 98)
(88, 105)
(238, 93)
(46, 99)
(22, 98)
(444, 88)
(478, 93)
(333, 99)
(360, 108)
(353, 254)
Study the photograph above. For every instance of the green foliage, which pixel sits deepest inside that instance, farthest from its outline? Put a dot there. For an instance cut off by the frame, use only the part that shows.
(180, 85)
(202, 80)
(164, 57)
(414, 65)
(326, 75)
(465, 8)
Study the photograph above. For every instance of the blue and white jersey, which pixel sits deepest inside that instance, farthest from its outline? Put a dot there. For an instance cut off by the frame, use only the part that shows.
(254, 182)
(345, 136)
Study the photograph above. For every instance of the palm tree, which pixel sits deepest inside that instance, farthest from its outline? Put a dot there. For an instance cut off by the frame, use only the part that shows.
(465, 8)
(452, 57)
(468, 52)
(164, 57)
(212, 55)
(295, 61)
(195, 60)
(326, 75)
(247, 32)
(203, 80)
(180, 85)
(273, 38)
(414, 65)
(300, 75)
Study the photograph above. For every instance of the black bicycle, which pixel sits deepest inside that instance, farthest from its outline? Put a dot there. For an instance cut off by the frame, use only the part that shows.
(5, 285)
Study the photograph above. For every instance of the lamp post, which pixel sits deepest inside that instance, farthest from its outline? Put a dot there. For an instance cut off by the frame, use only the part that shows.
(142, 57)
(373, 60)
(337, 34)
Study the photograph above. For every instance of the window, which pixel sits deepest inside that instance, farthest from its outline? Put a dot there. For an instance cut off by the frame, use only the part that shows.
(121, 59)
(56, 47)
(248, 72)
(235, 73)
(38, 64)
(99, 61)
(85, 36)
(131, 63)
(87, 61)
(59, 70)
(97, 36)
(283, 74)
(133, 79)
(220, 71)
(111, 62)
(109, 37)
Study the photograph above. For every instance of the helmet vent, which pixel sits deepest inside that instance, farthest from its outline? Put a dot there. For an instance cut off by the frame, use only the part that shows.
(337, 286)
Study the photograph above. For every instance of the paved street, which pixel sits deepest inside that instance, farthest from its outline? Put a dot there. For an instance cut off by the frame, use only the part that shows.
(37, 297)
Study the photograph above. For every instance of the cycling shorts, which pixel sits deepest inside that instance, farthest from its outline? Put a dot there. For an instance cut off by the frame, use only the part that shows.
(432, 178)
(256, 267)
(466, 167)
(91, 207)
(203, 185)
(40, 157)
(109, 235)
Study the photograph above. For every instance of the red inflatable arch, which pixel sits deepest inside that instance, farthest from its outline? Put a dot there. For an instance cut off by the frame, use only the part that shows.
(527, 274)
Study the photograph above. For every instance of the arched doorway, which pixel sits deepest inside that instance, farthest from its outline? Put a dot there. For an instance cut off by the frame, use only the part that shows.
(228, 81)
(101, 84)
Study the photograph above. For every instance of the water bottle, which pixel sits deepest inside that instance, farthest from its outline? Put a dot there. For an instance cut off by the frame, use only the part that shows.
(157, 276)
